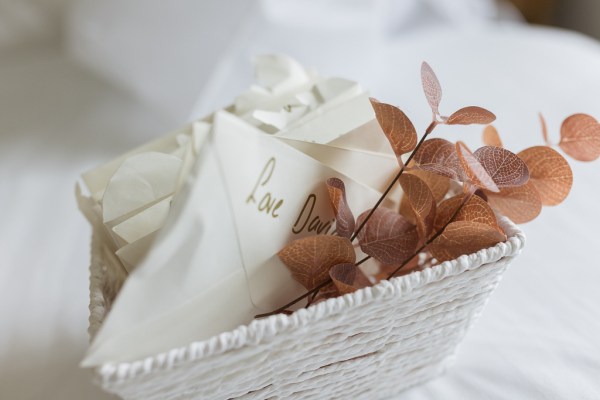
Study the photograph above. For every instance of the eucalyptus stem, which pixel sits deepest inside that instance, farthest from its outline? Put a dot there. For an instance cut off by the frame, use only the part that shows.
(363, 260)
(428, 131)
(311, 299)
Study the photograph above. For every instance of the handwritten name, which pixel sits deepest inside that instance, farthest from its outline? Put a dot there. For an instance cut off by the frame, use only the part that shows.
(268, 203)
(312, 223)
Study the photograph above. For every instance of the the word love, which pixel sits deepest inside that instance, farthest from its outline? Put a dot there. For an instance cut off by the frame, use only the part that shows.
(267, 204)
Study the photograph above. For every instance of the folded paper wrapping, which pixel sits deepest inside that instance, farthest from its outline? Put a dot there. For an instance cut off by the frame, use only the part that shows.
(231, 197)
(130, 196)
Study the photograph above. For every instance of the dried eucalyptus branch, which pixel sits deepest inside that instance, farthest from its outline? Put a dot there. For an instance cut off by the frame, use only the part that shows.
(429, 219)
(315, 290)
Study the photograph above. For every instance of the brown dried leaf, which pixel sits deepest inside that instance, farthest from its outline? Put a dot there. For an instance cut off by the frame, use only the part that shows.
(549, 172)
(475, 210)
(348, 278)
(438, 184)
(505, 167)
(344, 220)
(431, 87)
(406, 210)
(491, 137)
(474, 172)
(544, 129)
(481, 193)
(464, 237)
(580, 137)
(438, 156)
(471, 115)
(397, 127)
(421, 201)
(387, 236)
(310, 258)
(521, 203)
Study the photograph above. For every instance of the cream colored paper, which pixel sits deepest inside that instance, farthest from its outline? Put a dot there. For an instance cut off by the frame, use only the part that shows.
(145, 222)
(147, 177)
(214, 265)
(232, 190)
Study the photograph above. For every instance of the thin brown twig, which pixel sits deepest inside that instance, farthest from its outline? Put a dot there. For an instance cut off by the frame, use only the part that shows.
(312, 298)
(363, 260)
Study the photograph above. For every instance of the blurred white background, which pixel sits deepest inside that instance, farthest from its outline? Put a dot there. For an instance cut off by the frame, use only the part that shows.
(82, 81)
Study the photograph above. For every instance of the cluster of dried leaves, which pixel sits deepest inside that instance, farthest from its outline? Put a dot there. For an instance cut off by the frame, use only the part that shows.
(450, 197)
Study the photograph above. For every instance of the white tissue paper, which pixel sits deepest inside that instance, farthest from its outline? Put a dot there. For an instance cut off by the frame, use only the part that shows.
(196, 218)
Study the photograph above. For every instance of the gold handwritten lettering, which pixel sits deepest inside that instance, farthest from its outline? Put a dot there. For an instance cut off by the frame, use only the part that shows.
(309, 223)
(267, 204)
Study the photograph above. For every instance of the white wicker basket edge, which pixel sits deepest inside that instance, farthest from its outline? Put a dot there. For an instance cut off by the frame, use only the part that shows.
(264, 329)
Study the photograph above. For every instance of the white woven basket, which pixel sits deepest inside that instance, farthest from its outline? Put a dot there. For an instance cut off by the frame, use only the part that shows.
(370, 344)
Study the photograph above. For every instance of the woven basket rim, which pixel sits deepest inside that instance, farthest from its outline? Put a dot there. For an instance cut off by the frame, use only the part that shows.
(262, 330)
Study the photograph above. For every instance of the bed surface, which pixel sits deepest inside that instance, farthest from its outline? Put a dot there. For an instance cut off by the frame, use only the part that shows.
(539, 337)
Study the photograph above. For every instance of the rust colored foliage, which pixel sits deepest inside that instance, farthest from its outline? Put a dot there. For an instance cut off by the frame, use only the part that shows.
(521, 204)
(396, 126)
(503, 166)
(431, 87)
(344, 220)
(439, 157)
(491, 137)
(471, 115)
(450, 197)
(550, 176)
(544, 129)
(438, 184)
(421, 201)
(475, 209)
(474, 172)
(387, 236)
(348, 278)
(464, 237)
(580, 137)
(310, 258)
(550, 173)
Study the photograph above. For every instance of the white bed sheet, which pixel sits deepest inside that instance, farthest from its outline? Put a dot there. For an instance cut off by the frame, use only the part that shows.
(539, 337)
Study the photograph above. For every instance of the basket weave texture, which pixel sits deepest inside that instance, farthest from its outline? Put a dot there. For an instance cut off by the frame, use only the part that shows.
(371, 344)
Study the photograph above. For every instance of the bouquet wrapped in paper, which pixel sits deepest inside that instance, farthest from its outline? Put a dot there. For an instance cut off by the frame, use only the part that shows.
(192, 222)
